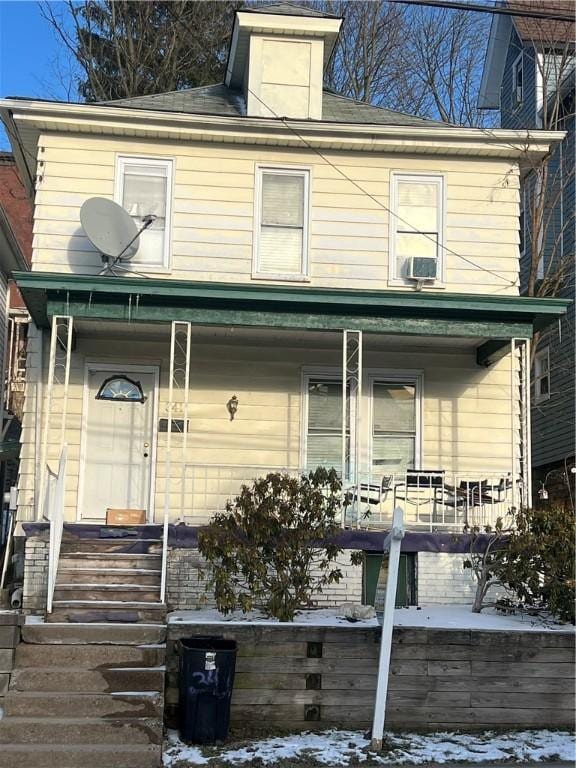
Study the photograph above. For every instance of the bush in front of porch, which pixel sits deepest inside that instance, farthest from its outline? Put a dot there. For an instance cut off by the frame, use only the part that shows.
(272, 548)
(533, 558)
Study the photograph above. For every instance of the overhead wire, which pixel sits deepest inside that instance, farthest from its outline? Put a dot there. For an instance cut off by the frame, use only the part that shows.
(376, 200)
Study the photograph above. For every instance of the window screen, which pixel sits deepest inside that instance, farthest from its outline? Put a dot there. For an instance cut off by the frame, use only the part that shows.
(324, 429)
(393, 427)
(416, 221)
(145, 192)
(282, 223)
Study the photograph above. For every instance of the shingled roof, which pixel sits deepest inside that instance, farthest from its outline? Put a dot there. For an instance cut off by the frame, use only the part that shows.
(288, 9)
(223, 101)
(544, 30)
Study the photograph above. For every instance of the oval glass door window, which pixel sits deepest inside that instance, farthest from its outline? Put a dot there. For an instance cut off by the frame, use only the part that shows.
(121, 388)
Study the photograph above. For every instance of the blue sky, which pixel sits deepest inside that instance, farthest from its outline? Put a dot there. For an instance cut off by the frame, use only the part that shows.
(29, 51)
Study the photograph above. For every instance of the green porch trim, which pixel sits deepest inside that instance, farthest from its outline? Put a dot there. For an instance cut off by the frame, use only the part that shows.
(291, 320)
(492, 351)
(160, 300)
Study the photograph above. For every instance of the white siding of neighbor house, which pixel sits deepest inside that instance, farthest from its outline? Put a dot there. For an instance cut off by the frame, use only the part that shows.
(466, 408)
(213, 211)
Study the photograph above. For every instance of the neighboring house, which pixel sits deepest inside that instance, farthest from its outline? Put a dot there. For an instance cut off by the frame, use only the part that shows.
(529, 76)
(15, 254)
(324, 283)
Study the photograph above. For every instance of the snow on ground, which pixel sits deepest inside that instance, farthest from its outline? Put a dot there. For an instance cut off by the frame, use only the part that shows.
(323, 617)
(340, 748)
(436, 616)
(461, 617)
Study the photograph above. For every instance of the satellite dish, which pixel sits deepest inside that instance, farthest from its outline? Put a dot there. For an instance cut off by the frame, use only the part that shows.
(110, 229)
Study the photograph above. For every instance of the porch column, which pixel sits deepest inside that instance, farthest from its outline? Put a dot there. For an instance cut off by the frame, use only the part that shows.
(177, 410)
(351, 414)
(56, 389)
(521, 421)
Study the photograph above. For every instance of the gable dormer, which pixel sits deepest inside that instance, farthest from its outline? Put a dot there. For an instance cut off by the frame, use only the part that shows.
(277, 57)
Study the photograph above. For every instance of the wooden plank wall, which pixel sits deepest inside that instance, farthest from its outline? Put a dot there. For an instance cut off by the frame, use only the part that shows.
(311, 677)
(9, 638)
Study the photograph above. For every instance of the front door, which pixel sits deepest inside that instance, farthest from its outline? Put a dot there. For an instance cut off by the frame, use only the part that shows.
(117, 442)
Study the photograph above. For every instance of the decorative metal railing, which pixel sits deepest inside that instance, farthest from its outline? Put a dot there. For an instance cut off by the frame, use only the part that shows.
(431, 499)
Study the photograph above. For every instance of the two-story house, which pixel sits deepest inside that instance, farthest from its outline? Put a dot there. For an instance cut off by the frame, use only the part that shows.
(530, 77)
(320, 282)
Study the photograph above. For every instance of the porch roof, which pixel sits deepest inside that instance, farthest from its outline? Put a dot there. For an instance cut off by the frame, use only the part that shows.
(491, 319)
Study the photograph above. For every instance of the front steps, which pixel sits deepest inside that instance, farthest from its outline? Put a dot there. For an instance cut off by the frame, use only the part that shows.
(111, 578)
(85, 696)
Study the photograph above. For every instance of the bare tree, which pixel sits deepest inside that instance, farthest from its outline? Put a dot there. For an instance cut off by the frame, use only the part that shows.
(126, 48)
(426, 61)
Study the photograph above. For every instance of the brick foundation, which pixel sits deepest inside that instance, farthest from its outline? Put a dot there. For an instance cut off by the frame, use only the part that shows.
(35, 588)
(188, 588)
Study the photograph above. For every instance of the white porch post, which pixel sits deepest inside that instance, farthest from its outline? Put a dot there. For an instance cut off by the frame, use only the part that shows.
(178, 402)
(58, 378)
(521, 420)
(352, 343)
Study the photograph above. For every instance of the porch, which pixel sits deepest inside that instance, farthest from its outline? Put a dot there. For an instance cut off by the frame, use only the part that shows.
(232, 382)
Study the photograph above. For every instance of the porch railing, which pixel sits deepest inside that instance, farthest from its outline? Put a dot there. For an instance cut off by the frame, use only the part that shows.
(54, 513)
(432, 500)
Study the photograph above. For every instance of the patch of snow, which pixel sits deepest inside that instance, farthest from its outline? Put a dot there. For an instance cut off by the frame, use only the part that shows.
(461, 617)
(322, 617)
(175, 752)
(34, 620)
(339, 748)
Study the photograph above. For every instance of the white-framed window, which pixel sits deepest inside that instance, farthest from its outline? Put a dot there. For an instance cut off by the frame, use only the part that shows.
(395, 424)
(416, 225)
(144, 188)
(518, 80)
(542, 374)
(281, 220)
(323, 421)
(391, 412)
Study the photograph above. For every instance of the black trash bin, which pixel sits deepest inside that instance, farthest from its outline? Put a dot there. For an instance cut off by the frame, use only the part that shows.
(207, 666)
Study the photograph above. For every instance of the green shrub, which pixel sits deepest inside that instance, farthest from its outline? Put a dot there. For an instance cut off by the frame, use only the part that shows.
(272, 548)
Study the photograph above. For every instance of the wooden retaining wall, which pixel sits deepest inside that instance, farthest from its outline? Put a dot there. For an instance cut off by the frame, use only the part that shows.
(10, 623)
(313, 677)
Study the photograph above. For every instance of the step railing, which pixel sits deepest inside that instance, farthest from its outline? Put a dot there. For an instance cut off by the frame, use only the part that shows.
(55, 487)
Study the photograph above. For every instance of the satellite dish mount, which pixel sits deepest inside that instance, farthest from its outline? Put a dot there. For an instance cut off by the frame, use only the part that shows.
(112, 231)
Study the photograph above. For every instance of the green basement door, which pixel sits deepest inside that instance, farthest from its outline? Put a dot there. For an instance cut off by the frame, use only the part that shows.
(406, 589)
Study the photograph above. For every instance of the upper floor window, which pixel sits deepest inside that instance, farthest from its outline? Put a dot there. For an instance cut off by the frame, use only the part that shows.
(281, 224)
(518, 80)
(416, 225)
(143, 188)
(542, 374)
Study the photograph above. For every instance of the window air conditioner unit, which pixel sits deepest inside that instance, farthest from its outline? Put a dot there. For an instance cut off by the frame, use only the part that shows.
(422, 268)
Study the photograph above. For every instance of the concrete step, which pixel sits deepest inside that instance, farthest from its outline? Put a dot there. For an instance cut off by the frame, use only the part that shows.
(115, 592)
(71, 680)
(103, 560)
(74, 756)
(79, 575)
(105, 546)
(89, 656)
(105, 633)
(86, 611)
(82, 730)
(48, 705)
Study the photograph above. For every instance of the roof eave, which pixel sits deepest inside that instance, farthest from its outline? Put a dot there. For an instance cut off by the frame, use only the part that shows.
(359, 136)
(38, 288)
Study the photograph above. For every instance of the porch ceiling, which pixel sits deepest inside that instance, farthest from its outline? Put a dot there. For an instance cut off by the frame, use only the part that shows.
(412, 313)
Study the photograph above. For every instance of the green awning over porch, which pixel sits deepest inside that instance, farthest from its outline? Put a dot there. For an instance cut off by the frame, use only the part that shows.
(136, 299)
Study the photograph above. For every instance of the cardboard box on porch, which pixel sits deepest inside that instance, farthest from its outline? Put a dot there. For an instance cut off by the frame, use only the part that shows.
(125, 516)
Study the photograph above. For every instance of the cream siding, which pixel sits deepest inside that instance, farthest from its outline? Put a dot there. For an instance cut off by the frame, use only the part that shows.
(212, 221)
(466, 409)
